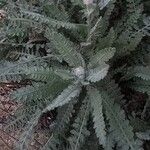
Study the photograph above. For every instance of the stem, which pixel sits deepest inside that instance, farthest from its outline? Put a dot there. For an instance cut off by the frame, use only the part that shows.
(88, 23)
(145, 108)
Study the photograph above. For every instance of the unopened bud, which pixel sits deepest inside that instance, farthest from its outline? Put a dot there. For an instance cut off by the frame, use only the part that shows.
(79, 72)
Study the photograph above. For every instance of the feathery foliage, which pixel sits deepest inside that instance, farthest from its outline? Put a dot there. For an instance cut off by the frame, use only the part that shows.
(86, 62)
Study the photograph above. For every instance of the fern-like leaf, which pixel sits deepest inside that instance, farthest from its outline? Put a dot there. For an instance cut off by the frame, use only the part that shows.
(7, 72)
(35, 17)
(54, 12)
(65, 97)
(120, 128)
(39, 91)
(79, 131)
(62, 120)
(78, 2)
(26, 136)
(141, 86)
(98, 118)
(109, 142)
(103, 3)
(98, 73)
(65, 47)
(144, 135)
(64, 115)
(101, 56)
(40, 73)
(142, 72)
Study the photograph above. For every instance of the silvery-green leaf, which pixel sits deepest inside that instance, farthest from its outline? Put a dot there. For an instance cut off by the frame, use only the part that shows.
(67, 95)
(98, 73)
(103, 3)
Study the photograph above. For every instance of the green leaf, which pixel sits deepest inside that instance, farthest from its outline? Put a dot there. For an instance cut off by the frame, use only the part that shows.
(97, 74)
(39, 90)
(94, 29)
(120, 128)
(142, 72)
(64, 74)
(106, 41)
(47, 74)
(27, 134)
(10, 71)
(78, 2)
(110, 143)
(51, 10)
(101, 56)
(64, 115)
(79, 131)
(40, 73)
(33, 17)
(65, 47)
(141, 86)
(98, 118)
(103, 3)
(144, 135)
(65, 97)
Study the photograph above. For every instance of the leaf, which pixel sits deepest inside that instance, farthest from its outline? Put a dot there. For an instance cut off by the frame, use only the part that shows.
(98, 118)
(65, 47)
(51, 10)
(98, 73)
(142, 72)
(39, 90)
(103, 3)
(64, 74)
(78, 2)
(141, 86)
(65, 97)
(139, 124)
(40, 73)
(109, 142)
(25, 138)
(101, 56)
(94, 30)
(79, 131)
(144, 135)
(36, 17)
(10, 71)
(106, 41)
(120, 128)
(64, 115)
